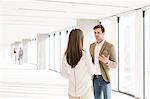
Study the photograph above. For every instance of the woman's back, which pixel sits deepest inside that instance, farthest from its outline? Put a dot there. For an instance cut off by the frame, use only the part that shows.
(77, 66)
(80, 76)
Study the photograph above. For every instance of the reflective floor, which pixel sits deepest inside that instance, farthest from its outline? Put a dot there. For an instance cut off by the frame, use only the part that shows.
(35, 84)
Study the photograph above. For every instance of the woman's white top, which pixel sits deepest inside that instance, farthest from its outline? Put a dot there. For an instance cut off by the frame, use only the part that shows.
(80, 76)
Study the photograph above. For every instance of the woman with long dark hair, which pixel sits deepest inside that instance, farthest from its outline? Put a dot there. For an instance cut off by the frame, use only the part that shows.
(77, 67)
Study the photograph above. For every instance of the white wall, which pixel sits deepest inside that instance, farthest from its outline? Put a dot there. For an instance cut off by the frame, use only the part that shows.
(5, 53)
(86, 25)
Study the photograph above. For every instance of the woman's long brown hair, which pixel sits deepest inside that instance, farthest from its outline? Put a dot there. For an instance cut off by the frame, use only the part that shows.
(74, 48)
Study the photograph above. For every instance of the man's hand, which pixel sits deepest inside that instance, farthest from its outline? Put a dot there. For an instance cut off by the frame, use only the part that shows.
(104, 59)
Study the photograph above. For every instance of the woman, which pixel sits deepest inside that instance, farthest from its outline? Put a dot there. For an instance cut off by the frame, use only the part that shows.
(77, 67)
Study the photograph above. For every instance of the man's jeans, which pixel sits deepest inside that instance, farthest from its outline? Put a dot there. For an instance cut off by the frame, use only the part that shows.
(101, 86)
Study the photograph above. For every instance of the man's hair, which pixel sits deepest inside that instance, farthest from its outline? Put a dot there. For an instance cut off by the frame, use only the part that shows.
(99, 26)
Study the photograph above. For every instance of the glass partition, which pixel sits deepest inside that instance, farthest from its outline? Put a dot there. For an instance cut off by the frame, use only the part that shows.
(126, 54)
(147, 54)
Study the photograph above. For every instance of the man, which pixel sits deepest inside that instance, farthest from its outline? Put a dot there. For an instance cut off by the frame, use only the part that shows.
(14, 52)
(103, 57)
(20, 56)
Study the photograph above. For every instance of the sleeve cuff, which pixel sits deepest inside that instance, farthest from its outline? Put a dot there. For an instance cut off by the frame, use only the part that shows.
(108, 62)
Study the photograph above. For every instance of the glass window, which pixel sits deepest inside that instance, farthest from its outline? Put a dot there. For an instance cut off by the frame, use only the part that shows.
(47, 51)
(52, 51)
(147, 54)
(32, 52)
(57, 51)
(29, 52)
(126, 54)
(63, 44)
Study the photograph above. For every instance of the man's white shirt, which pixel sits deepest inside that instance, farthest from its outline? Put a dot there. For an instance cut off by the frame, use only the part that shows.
(96, 57)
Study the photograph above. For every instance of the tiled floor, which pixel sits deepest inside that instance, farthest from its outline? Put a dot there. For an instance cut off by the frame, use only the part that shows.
(36, 84)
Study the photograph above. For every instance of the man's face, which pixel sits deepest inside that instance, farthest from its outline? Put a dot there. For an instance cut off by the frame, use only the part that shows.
(98, 34)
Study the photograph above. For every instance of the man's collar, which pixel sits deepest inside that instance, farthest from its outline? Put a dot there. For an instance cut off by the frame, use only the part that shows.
(100, 42)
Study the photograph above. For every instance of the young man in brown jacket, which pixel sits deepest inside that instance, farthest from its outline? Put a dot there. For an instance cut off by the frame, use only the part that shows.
(104, 58)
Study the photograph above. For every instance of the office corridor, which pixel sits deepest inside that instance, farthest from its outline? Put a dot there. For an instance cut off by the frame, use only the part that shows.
(36, 84)
(34, 36)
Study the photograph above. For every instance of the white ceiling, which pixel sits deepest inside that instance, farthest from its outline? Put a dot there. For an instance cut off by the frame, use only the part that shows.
(25, 18)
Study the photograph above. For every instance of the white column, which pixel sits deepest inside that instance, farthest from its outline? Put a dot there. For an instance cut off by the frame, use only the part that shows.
(86, 25)
(138, 54)
(41, 51)
(25, 50)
